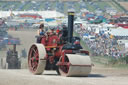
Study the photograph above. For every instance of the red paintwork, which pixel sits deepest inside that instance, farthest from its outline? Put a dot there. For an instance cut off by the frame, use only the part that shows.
(43, 40)
(58, 53)
(51, 41)
(83, 51)
(123, 25)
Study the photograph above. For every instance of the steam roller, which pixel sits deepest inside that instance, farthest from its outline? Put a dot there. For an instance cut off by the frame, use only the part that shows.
(61, 52)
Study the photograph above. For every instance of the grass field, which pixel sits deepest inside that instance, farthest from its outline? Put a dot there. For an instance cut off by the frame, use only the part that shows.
(114, 5)
(4, 5)
(124, 4)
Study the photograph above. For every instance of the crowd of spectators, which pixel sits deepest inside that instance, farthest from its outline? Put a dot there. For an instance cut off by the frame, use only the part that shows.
(103, 44)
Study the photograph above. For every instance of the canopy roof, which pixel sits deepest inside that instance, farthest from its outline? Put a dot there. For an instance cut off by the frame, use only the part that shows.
(119, 32)
(44, 14)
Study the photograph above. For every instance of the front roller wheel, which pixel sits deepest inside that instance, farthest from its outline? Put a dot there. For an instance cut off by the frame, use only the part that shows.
(75, 65)
(36, 58)
(64, 69)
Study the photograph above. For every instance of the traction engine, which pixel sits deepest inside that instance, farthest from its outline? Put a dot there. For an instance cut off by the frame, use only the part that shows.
(61, 53)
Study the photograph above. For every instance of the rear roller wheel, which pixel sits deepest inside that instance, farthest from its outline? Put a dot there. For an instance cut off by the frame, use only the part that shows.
(36, 61)
(75, 65)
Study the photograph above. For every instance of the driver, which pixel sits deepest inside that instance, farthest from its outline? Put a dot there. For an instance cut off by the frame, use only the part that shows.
(40, 33)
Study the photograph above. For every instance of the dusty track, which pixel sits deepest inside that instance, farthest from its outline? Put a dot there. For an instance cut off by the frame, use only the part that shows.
(26, 38)
(99, 76)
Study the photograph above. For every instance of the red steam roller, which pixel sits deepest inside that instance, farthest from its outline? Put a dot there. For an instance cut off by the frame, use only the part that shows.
(61, 52)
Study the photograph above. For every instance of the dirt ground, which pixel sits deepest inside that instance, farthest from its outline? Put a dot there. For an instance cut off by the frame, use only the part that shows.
(100, 75)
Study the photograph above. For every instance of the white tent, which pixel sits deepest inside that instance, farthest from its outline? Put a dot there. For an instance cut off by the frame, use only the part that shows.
(4, 13)
(44, 14)
(119, 32)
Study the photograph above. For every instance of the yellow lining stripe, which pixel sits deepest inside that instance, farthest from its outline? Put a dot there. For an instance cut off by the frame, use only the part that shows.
(71, 13)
